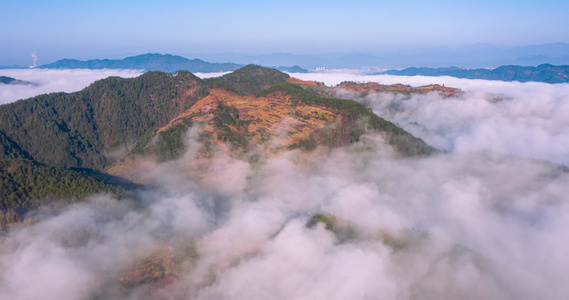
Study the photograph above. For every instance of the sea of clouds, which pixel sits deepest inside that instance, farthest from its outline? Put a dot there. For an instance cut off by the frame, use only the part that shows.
(474, 222)
(44, 81)
(526, 119)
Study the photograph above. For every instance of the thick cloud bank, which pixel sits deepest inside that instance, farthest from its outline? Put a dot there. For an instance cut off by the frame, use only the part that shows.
(526, 119)
(475, 225)
(471, 223)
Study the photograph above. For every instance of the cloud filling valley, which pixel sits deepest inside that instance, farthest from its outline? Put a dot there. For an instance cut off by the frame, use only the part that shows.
(484, 219)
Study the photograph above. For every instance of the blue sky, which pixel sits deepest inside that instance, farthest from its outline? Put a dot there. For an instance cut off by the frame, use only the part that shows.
(114, 29)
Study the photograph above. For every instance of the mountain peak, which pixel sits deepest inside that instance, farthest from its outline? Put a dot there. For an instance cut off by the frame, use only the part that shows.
(251, 79)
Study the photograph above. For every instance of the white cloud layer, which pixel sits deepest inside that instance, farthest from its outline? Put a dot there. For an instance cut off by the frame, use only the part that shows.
(51, 81)
(527, 119)
(478, 222)
(209, 75)
(472, 225)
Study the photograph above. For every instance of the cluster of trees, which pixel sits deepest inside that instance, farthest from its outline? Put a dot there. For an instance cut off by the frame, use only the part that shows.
(356, 120)
(26, 184)
(23, 182)
(231, 129)
(305, 145)
(169, 143)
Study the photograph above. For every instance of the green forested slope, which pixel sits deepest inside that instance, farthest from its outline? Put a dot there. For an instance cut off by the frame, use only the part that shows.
(357, 119)
(55, 146)
(90, 128)
(26, 184)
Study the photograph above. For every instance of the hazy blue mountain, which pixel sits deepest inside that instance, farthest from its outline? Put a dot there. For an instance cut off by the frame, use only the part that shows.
(10, 80)
(543, 73)
(469, 56)
(534, 60)
(149, 62)
(293, 69)
(156, 62)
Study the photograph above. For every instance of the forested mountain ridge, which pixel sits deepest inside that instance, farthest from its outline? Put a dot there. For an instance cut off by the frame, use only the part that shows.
(81, 129)
(95, 127)
(285, 114)
(59, 144)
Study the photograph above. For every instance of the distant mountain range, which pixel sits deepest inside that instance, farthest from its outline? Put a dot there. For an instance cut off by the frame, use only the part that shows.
(542, 73)
(156, 62)
(548, 73)
(469, 56)
(148, 62)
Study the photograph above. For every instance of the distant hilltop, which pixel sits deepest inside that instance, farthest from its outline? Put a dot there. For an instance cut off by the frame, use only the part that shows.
(156, 62)
(10, 80)
(543, 73)
(547, 73)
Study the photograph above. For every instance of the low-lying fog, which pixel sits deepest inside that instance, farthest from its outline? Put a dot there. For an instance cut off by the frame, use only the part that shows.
(525, 119)
(487, 219)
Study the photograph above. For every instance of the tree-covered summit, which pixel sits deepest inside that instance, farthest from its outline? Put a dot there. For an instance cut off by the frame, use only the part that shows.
(251, 79)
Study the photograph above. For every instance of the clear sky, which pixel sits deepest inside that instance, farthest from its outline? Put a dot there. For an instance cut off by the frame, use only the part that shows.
(113, 29)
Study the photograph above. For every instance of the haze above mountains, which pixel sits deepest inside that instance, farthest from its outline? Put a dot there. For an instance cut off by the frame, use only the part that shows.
(471, 56)
(543, 63)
